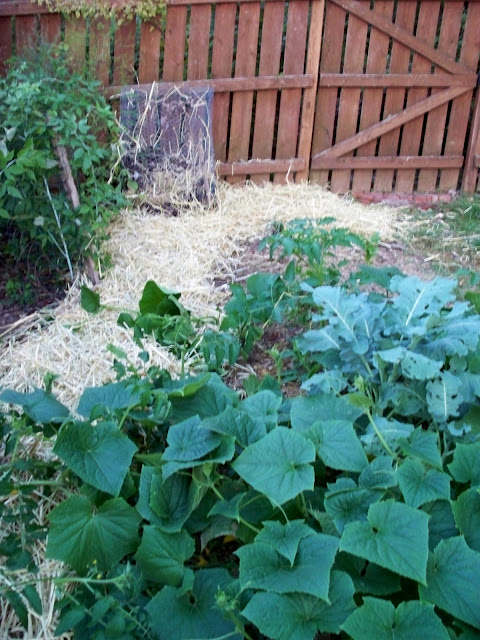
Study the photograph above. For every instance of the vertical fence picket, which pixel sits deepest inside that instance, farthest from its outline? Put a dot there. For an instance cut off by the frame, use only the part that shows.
(149, 59)
(25, 33)
(222, 56)
(245, 64)
(266, 105)
(395, 97)
(50, 27)
(435, 129)
(5, 43)
(372, 98)
(99, 54)
(330, 62)
(457, 126)
(412, 131)
(174, 61)
(199, 42)
(290, 99)
(76, 42)
(124, 53)
(350, 97)
(470, 171)
(309, 95)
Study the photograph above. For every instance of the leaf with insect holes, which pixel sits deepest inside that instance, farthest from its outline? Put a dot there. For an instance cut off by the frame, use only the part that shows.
(444, 397)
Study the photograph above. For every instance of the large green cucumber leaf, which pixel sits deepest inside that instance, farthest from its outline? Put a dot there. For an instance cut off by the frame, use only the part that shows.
(346, 502)
(85, 537)
(441, 524)
(300, 616)
(188, 440)
(305, 411)
(278, 465)
(246, 428)
(264, 406)
(423, 445)
(161, 556)
(159, 300)
(110, 397)
(419, 485)
(453, 579)
(380, 620)
(338, 445)
(284, 538)
(194, 615)
(262, 567)
(100, 455)
(40, 406)
(465, 466)
(395, 537)
(466, 511)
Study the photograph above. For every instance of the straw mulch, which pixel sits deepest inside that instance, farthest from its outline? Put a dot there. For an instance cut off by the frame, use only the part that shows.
(186, 253)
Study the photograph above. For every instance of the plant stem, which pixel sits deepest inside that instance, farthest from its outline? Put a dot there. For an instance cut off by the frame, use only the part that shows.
(57, 219)
(380, 436)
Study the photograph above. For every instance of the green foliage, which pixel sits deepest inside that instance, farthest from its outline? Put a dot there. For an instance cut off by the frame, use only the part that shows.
(44, 109)
(191, 512)
(127, 10)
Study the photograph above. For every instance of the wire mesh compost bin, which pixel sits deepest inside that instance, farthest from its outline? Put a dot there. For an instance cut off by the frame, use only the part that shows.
(167, 140)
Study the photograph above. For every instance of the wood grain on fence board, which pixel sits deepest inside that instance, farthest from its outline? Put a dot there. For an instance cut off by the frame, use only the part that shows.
(330, 62)
(124, 53)
(412, 131)
(245, 65)
(5, 43)
(459, 115)
(175, 29)
(391, 123)
(350, 97)
(372, 97)
(470, 172)
(266, 104)
(99, 51)
(149, 57)
(395, 97)
(309, 95)
(436, 120)
(199, 41)
(290, 99)
(50, 27)
(76, 41)
(25, 33)
(222, 57)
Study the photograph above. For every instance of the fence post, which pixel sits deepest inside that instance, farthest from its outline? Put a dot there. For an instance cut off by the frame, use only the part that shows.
(470, 170)
(310, 94)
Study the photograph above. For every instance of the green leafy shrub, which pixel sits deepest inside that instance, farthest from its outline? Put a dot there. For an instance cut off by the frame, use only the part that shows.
(353, 510)
(45, 109)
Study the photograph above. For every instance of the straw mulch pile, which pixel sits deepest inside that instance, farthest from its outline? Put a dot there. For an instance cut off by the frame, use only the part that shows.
(186, 253)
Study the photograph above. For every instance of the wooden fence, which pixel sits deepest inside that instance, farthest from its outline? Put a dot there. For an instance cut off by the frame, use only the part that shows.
(364, 95)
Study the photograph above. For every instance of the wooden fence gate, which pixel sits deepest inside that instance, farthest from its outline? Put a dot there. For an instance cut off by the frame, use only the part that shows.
(364, 95)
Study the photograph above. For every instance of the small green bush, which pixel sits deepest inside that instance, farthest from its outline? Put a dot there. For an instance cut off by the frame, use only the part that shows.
(44, 108)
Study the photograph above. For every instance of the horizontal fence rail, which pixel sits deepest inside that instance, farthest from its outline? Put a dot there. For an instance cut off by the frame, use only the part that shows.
(360, 95)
